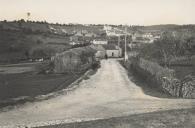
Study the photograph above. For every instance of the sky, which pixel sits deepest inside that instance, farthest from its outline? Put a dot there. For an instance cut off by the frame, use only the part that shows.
(131, 12)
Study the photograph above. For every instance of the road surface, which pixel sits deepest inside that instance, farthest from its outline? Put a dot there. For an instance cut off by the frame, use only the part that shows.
(108, 93)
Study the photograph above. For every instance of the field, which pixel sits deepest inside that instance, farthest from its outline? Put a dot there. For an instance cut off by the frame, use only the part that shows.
(20, 81)
(15, 85)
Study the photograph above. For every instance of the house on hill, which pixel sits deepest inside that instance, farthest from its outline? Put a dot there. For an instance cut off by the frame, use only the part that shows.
(143, 37)
(113, 51)
(99, 41)
(74, 40)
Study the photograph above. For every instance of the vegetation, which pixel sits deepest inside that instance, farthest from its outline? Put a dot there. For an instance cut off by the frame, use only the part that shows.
(169, 61)
(25, 44)
(31, 85)
(168, 47)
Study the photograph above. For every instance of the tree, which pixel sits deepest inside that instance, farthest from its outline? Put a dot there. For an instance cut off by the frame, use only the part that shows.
(169, 47)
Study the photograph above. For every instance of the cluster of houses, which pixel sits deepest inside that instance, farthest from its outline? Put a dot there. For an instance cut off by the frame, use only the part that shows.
(104, 49)
(88, 36)
(101, 44)
(81, 58)
(144, 37)
(112, 31)
(83, 36)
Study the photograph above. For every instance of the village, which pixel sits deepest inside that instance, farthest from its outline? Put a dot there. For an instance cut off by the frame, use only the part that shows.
(68, 74)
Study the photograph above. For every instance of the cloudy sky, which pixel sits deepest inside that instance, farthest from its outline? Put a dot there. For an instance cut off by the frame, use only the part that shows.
(137, 12)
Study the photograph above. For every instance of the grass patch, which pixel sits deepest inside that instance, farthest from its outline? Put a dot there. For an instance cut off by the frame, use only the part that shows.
(32, 85)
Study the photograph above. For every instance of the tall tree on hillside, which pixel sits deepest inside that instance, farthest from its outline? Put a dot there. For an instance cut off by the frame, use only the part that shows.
(166, 46)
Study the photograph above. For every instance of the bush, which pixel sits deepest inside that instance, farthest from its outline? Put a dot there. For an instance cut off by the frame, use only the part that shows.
(45, 67)
(95, 65)
(155, 69)
(39, 42)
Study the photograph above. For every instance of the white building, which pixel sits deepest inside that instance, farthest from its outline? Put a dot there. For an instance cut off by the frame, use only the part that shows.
(73, 43)
(113, 51)
(106, 27)
(102, 42)
(147, 35)
(143, 37)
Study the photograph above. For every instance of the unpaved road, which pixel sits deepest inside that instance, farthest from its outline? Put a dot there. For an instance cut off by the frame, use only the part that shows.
(108, 93)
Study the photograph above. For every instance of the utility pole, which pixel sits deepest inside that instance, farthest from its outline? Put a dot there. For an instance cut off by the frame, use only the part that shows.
(119, 45)
(126, 57)
(119, 40)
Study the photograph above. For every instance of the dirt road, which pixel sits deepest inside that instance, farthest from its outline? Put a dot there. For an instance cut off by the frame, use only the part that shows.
(108, 93)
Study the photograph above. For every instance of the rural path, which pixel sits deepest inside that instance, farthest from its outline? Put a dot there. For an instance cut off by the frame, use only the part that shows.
(108, 93)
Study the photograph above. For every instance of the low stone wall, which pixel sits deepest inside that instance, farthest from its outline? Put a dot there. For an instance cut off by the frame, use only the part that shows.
(172, 86)
(162, 78)
(188, 87)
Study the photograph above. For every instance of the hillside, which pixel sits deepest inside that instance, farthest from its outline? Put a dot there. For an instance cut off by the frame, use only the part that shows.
(19, 46)
(24, 41)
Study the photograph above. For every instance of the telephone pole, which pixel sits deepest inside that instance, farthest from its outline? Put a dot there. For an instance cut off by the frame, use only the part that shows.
(119, 40)
(126, 57)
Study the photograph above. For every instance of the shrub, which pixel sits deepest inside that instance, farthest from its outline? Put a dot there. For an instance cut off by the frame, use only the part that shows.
(39, 42)
(95, 65)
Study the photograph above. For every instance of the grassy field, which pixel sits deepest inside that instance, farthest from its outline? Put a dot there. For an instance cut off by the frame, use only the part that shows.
(21, 81)
(15, 85)
(164, 119)
(18, 46)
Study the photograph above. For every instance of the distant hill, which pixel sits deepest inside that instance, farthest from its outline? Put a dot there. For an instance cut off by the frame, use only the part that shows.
(164, 27)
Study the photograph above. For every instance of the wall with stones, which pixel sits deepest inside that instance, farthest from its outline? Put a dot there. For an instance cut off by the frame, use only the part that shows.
(162, 78)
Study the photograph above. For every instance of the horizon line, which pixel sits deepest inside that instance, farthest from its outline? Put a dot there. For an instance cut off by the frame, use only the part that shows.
(74, 23)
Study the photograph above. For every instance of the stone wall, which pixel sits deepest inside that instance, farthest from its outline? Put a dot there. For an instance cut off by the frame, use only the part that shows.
(162, 78)
(188, 87)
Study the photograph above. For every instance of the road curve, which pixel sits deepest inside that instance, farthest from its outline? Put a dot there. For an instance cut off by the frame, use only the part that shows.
(108, 93)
